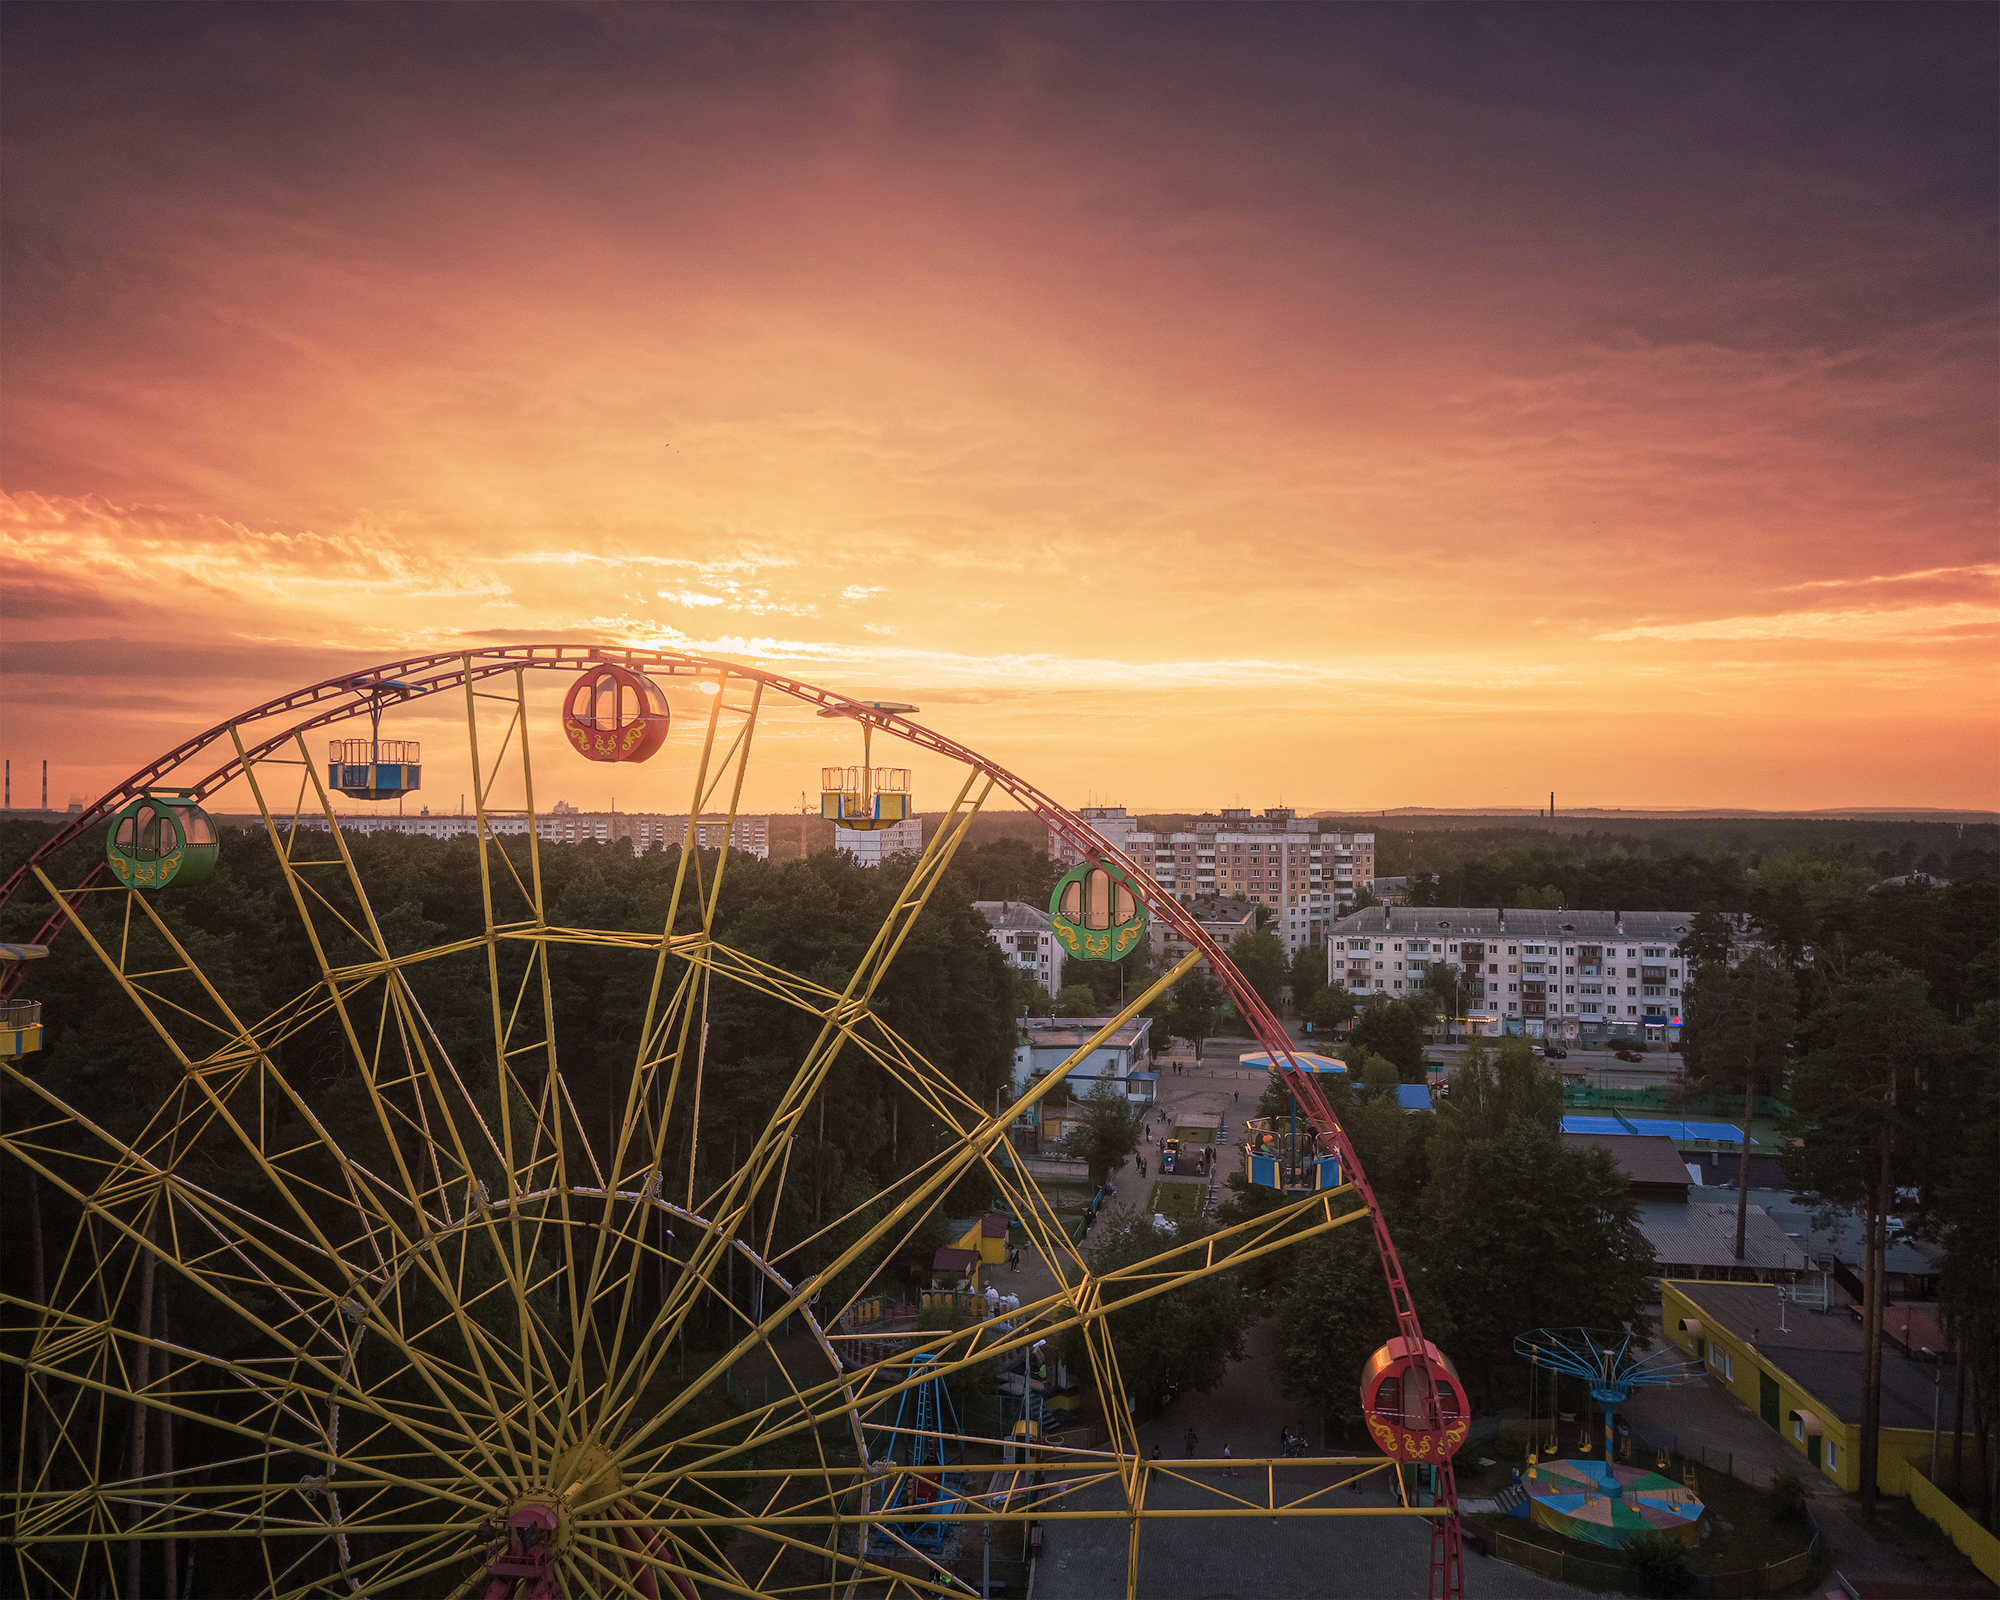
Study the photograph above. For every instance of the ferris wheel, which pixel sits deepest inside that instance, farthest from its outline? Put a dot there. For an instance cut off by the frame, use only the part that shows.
(445, 1330)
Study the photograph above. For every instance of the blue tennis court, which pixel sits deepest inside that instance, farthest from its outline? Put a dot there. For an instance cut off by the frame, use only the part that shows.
(1593, 1125)
(1714, 1132)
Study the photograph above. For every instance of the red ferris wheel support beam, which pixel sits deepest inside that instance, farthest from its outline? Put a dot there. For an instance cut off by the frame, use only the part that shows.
(341, 698)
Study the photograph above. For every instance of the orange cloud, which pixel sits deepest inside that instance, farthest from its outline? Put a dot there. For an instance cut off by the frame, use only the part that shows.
(1367, 408)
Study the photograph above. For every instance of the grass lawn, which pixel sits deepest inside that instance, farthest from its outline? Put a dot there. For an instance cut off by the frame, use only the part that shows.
(1195, 1135)
(1177, 1202)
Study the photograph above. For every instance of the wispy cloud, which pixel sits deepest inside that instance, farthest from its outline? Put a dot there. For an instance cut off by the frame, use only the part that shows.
(1985, 570)
(1907, 622)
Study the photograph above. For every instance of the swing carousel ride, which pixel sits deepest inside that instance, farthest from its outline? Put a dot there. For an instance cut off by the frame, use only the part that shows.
(361, 1302)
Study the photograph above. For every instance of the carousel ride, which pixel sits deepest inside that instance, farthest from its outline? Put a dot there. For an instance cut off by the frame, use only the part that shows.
(1597, 1501)
(359, 1298)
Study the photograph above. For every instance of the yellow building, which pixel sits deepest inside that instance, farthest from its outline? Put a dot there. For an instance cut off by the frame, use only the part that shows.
(1800, 1370)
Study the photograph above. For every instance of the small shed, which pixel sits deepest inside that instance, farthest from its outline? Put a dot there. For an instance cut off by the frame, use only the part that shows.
(951, 1267)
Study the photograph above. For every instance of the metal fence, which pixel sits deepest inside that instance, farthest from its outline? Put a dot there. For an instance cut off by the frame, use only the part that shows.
(1618, 1578)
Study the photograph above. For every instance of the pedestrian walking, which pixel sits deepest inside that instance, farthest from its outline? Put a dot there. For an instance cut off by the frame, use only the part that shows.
(992, 1300)
(1191, 1441)
(1228, 1468)
(1156, 1452)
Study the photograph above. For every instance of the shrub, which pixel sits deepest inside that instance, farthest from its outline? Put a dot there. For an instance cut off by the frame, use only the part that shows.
(1660, 1565)
(1788, 1498)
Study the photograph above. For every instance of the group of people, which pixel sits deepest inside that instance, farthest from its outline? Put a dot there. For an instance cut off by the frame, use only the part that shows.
(1000, 1305)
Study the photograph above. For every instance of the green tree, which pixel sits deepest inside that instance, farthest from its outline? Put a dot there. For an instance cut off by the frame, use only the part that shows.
(1170, 1343)
(1106, 1133)
(1330, 1008)
(1861, 1093)
(1518, 1230)
(1306, 974)
(1394, 1029)
(1031, 999)
(1967, 1224)
(1444, 988)
(1332, 1314)
(1708, 940)
(1379, 1078)
(1740, 1022)
(1076, 1000)
(1260, 957)
(1197, 1005)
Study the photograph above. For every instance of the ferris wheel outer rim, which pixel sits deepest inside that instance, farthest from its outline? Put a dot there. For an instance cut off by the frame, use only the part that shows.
(355, 688)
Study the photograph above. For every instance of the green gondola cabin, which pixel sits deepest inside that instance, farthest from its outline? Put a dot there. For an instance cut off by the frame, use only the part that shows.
(160, 839)
(1097, 913)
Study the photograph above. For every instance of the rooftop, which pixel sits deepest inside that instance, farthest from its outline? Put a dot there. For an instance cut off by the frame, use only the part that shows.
(1645, 1161)
(1022, 915)
(1067, 1033)
(1700, 1234)
(1821, 1351)
(1218, 908)
(1494, 921)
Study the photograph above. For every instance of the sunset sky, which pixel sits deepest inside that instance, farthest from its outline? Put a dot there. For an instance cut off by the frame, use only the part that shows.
(1189, 406)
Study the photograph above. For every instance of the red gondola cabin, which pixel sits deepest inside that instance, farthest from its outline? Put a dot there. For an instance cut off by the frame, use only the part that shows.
(615, 714)
(1397, 1390)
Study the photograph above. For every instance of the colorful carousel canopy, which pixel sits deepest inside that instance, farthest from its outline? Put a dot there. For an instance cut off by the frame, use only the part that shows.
(1264, 1061)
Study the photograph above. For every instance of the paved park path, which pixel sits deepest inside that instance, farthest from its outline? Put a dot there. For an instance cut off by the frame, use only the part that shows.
(1293, 1558)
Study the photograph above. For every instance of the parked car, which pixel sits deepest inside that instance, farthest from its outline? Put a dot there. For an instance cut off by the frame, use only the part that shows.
(1554, 1052)
(1630, 1055)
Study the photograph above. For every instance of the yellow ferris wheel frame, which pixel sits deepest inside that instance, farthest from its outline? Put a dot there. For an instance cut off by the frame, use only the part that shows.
(488, 1402)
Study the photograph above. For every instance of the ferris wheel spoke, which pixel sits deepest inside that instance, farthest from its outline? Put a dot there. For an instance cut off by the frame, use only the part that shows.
(234, 1239)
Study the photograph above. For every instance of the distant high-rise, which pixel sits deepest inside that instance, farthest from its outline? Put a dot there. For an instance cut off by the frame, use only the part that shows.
(870, 847)
(1279, 860)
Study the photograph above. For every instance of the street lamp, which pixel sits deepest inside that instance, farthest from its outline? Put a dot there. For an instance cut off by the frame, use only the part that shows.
(1937, 1400)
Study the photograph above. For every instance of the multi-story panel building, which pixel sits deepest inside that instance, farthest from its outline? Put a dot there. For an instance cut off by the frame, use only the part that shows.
(1590, 975)
(423, 824)
(1305, 877)
(1027, 939)
(1224, 921)
(565, 824)
(870, 847)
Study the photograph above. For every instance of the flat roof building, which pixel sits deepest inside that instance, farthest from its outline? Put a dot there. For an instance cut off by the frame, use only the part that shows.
(1589, 975)
(1800, 1371)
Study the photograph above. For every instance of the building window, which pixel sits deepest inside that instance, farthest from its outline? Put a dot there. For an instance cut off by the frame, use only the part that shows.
(1832, 1456)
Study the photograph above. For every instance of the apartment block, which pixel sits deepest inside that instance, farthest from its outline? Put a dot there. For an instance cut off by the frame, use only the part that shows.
(870, 847)
(1026, 937)
(1277, 859)
(1224, 921)
(1570, 974)
(563, 823)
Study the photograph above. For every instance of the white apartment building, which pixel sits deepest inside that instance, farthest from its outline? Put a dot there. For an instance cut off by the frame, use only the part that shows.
(423, 824)
(565, 824)
(870, 847)
(1589, 975)
(1279, 860)
(1027, 938)
(653, 830)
